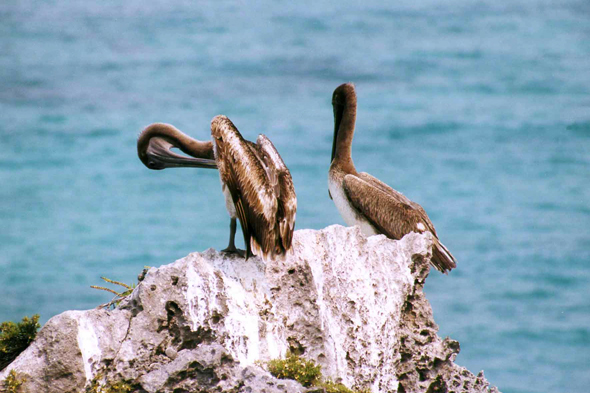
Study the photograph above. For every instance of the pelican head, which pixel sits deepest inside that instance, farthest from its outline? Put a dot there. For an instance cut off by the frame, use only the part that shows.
(154, 146)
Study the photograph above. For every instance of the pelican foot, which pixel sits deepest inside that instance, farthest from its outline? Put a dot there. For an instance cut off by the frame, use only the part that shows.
(234, 250)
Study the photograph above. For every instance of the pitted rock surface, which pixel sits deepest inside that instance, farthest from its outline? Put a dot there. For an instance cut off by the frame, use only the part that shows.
(206, 322)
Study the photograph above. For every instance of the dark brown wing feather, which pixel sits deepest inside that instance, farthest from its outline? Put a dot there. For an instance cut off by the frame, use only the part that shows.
(287, 209)
(243, 174)
(392, 215)
(398, 196)
(280, 180)
(231, 182)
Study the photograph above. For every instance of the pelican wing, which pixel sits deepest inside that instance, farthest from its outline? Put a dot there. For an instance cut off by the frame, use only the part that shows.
(282, 183)
(287, 209)
(399, 197)
(387, 213)
(229, 178)
(255, 203)
(393, 216)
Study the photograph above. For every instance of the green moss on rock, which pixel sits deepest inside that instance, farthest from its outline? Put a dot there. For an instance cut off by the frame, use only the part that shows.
(13, 383)
(108, 387)
(16, 337)
(307, 373)
(304, 371)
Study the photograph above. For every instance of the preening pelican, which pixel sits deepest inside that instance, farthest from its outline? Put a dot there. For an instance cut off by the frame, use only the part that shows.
(154, 146)
(258, 189)
(364, 200)
(257, 185)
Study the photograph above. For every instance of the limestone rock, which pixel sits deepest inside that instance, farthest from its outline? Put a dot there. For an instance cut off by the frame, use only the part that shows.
(201, 324)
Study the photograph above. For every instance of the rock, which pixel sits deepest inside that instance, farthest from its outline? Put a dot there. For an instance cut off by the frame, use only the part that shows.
(202, 324)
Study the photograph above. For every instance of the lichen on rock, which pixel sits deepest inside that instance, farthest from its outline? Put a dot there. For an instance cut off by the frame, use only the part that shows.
(353, 305)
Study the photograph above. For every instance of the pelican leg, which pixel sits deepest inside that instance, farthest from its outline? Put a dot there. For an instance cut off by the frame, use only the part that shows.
(231, 248)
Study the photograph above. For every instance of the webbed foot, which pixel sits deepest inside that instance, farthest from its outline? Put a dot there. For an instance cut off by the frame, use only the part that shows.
(234, 250)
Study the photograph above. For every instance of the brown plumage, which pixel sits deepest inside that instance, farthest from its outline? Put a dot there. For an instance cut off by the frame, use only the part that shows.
(282, 184)
(260, 186)
(155, 142)
(365, 200)
(255, 181)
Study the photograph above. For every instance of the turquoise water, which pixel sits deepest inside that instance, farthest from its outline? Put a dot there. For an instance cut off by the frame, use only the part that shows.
(480, 112)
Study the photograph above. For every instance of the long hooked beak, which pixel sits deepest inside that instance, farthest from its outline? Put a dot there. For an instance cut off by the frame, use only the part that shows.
(159, 156)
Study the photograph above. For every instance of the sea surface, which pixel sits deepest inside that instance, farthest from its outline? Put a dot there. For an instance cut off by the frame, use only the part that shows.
(479, 111)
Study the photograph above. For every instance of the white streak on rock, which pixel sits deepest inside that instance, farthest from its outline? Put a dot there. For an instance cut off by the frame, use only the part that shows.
(230, 288)
(242, 322)
(275, 345)
(329, 322)
(88, 344)
(196, 297)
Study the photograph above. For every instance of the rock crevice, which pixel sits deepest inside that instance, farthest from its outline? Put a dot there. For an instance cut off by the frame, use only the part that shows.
(354, 305)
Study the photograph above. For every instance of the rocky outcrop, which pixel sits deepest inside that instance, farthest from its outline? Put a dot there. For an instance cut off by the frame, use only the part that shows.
(203, 324)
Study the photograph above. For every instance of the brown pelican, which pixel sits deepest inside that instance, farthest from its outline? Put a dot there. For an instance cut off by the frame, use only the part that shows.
(268, 231)
(258, 189)
(364, 200)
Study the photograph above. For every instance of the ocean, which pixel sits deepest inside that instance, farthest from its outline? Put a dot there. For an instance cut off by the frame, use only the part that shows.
(479, 111)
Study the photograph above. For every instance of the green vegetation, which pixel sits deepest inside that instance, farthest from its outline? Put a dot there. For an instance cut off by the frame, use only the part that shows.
(118, 295)
(304, 371)
(332, 387)
(16, 337)
(307, 373)
(13, 383)
(117, 387)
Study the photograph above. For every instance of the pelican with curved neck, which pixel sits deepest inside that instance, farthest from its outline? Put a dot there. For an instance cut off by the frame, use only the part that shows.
(364, 200)
(154, 146)
(257, 185)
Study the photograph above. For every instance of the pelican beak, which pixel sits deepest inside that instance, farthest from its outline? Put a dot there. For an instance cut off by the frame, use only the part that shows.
(159, 156)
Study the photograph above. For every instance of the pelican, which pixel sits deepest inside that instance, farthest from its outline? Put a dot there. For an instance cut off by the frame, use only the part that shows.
(366, 201)
(267, 224)
(258, 189)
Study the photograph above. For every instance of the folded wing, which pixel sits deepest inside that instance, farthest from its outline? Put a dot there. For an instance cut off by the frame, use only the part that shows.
(246, 179)
(393, 214)
(281, 182)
